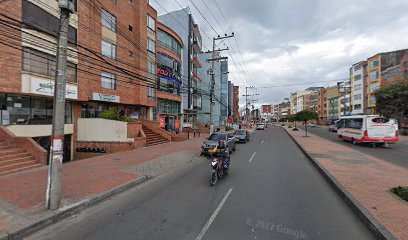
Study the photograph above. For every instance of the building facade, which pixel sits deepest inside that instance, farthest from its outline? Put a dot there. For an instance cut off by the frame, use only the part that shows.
(333, 105)
(358, 79)
(266, 112)
(169, 79)
(182, 23)
(235, 106)
(230, 100)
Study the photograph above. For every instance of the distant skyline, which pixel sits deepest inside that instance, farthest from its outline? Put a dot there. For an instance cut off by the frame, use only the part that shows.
(288, 42)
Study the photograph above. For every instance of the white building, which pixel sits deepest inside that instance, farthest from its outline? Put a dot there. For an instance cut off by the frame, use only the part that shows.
(358, 73)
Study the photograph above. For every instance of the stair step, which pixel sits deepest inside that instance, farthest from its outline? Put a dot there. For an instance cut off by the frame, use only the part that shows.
(13, 156)
(8, 162)
(11, 151)
(18, 165)
(19, 169)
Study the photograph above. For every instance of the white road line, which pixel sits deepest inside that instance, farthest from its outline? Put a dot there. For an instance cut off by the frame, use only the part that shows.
(215, 213)
(262, 142)
(253, 155)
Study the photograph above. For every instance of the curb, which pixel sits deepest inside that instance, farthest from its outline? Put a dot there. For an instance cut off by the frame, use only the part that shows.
(65, 212)
(379, 230)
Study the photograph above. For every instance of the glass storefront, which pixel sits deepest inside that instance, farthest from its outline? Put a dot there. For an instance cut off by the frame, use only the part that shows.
(168, 74)
(169, 111)
(94, 109)
(18, 109)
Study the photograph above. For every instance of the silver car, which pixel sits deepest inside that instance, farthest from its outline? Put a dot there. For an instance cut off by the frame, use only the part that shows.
(211, 144)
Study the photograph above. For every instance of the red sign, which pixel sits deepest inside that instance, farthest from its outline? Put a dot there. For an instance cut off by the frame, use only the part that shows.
(162, 123)
(177, 124)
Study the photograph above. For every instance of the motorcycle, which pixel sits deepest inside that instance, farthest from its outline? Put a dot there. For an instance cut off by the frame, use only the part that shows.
(218, 170)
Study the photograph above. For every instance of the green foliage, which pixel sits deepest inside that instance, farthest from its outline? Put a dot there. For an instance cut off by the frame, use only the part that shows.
(392, 99)
(292, 118)
(113, 114)
(306, 115)
(402, 192)
(284, 119)
(227, 128)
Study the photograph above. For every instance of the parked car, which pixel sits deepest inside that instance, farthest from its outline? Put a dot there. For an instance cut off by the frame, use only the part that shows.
(333, 127)
(312, 125)
(260, 126)
(242, 136)
(210, 145)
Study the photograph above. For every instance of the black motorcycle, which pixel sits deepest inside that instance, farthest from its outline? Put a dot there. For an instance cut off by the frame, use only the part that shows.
(219, 169)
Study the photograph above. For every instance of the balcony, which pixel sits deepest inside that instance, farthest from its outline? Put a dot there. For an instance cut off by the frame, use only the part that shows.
(196, 46)
(197, 63)
(195, 75)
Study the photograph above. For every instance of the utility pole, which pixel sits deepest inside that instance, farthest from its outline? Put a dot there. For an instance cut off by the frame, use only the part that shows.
(213, 59)
(54, 186)
(246, 102)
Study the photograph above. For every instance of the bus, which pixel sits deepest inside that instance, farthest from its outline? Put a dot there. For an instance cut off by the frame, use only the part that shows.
(372, 129)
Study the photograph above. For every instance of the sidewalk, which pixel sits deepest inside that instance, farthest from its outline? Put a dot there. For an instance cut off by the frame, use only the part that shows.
(22, 195)
(366, 178)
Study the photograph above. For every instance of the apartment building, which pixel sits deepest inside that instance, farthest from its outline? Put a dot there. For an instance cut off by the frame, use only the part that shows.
(358, 80)
(381, 65)
(230, 100)
(182, 22)
(333, 103)
(224, 93)
(322, 105)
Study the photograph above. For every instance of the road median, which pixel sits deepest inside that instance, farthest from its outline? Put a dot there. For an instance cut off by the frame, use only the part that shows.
(363, 181)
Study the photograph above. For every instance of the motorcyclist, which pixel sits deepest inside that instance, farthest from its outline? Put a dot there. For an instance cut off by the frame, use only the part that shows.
(223, 154)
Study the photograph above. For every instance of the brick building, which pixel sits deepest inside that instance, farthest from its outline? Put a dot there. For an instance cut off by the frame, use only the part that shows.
(112, 62)
(235, 99)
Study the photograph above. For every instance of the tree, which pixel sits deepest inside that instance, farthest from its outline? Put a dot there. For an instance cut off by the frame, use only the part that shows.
(305, 116)
(293, 119)
(392, 100)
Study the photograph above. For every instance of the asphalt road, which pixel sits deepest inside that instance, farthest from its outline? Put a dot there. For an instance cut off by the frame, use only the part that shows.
(272, 192)
(396, 154)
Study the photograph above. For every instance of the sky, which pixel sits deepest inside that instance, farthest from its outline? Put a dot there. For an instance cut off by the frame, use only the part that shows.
(291, 42)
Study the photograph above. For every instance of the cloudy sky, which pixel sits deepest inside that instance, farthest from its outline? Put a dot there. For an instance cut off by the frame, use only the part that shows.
(287, 42)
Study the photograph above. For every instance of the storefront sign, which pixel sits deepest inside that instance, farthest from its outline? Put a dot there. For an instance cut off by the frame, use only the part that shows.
(168, 74)
(46, 87)
(177, 124)
(105, 97)
(162, 123)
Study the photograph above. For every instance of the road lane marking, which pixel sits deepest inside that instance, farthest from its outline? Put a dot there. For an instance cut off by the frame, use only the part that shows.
(262, 142)
(253, 155)
(215, 213)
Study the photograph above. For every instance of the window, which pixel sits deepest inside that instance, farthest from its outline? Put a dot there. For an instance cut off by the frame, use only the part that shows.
(44, 64)
(130, 28)
(357, 87)
(357, 77)
(374, 63)
(372, 100)
(151, 24)
(355, 123)
(151, 45)
(391, 72)
(356, 68)
(108, 49)
(151, 92)
(39, 18)
(169, 42)
(374, 86)
(406, 64)
(108, 80)
(108, 20)
(357, 97)
(374, 75)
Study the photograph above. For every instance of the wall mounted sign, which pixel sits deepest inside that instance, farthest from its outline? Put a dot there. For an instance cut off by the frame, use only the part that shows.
(105, 97)
(46, 87)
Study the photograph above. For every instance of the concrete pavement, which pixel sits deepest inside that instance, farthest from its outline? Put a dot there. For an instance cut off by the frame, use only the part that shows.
(277, 195)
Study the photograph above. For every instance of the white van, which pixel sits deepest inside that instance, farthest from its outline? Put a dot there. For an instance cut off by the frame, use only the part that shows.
(368, 129)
